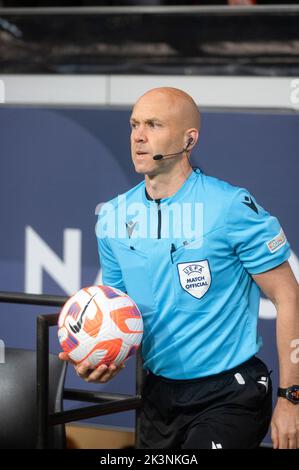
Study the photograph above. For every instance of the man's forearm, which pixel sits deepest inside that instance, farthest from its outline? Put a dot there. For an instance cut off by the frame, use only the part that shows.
(287, 330)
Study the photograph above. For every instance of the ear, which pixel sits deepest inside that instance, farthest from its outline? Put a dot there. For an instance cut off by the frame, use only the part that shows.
(188, 143)
(191, 138)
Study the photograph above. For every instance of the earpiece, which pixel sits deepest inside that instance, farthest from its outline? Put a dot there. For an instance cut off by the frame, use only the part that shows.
(190, 141)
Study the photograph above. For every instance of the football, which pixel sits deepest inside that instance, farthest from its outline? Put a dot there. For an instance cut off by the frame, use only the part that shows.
(100, 324)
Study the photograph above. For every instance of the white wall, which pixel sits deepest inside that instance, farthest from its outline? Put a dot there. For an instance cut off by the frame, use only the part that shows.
(122, 90)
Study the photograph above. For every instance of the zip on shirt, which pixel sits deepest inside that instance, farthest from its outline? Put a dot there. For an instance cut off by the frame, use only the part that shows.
(157, 201)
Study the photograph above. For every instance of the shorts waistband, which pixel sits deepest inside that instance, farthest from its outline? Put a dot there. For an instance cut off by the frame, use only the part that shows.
(250, 362)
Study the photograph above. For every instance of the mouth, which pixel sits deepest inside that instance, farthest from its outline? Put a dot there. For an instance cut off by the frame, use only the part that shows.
(140, 153)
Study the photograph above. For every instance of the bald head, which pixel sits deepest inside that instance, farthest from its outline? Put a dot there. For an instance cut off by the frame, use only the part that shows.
(176, 103)
(164, 121)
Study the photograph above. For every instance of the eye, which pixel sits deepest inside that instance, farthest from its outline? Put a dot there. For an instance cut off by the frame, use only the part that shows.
(133, 125)
(153, 124)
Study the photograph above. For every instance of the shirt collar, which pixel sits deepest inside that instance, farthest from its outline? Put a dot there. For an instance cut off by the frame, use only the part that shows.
(193, 175)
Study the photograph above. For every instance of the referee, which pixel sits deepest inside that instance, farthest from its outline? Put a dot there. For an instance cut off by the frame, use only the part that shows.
(193, 252)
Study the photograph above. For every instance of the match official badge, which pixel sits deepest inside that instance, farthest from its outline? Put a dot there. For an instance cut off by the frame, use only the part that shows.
(195, 277)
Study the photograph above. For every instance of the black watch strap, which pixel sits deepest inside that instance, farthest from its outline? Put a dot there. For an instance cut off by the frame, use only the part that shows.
(291, 393)
(282, 392)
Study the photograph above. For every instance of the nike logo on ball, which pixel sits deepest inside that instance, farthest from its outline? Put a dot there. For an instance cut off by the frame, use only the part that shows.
(77, 327)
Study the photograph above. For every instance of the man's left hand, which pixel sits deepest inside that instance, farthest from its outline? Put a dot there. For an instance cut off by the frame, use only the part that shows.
(285, 425)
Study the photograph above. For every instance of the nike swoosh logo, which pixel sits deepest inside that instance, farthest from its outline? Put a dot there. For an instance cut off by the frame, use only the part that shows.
(249, 203)
(77, 327)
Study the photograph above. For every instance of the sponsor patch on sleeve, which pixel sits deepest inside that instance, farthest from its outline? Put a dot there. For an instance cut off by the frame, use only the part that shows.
(277, 242)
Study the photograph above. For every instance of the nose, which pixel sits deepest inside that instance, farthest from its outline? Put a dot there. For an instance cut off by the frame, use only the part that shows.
(139, 134)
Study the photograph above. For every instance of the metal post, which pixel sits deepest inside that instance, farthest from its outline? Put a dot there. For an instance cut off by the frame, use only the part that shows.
(42, 381)
(42, 377)
(140, 376)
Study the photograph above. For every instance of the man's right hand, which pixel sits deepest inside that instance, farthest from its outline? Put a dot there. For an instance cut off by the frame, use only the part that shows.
(87, 372)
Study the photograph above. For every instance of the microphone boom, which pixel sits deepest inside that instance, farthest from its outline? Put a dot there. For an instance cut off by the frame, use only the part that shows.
(159, 156)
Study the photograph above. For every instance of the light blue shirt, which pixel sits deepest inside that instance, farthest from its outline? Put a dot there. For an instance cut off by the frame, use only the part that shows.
(187, 262)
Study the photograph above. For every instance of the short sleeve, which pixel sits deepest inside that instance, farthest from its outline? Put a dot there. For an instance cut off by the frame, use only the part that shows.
(111, 271)
(255, 235)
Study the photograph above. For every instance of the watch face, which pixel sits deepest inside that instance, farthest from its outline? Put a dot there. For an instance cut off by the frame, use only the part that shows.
(293, 394)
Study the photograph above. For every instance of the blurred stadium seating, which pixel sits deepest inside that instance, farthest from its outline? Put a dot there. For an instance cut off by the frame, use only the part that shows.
(188, 40)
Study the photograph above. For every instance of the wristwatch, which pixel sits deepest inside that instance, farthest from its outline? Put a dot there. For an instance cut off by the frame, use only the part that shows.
(291, 393)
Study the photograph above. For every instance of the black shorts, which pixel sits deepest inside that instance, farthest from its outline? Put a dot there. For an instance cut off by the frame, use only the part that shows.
(231, 410)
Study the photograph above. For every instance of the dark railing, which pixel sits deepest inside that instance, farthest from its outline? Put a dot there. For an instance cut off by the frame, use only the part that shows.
(154, 9)
(33, 299)
(107, 403)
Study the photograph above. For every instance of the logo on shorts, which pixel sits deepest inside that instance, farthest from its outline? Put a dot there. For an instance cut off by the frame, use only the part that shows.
(264, 381)
(195, 277)
(216, 446)
(277, 242)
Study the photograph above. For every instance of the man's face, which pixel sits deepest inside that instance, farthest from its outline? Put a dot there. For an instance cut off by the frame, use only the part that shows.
(155, 129)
